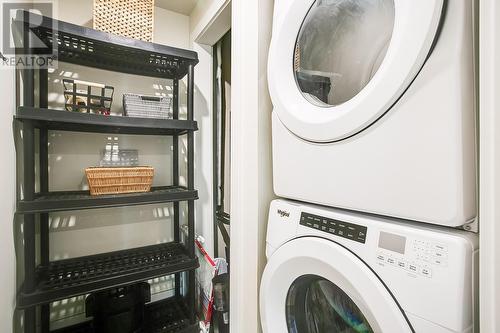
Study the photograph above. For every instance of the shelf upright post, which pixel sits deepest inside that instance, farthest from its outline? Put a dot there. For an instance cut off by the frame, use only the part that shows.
(190, 151)
(44, 188)
(29, 183)
(190, 185)
(175, 175)
(215, 157)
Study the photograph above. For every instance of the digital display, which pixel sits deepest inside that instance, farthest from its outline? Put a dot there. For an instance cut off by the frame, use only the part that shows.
(392, 242)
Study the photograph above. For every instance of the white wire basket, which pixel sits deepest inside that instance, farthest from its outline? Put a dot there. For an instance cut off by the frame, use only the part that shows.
(145, 106)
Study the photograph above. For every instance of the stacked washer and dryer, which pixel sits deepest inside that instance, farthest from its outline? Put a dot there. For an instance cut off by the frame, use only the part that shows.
(374, 147)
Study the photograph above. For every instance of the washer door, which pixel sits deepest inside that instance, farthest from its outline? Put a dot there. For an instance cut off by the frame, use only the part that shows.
(336, 66)
(312, 285)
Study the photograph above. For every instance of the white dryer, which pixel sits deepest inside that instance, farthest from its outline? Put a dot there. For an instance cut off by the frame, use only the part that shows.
(334, 271)
(374, 106)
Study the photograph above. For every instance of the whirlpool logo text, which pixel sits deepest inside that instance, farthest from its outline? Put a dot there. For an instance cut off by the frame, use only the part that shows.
(283, 213)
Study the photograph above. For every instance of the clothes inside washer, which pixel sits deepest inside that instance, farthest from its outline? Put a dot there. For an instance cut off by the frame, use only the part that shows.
(316, 305)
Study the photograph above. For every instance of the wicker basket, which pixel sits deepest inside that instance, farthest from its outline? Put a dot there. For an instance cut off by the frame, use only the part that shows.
(129, 18)
(119, 180)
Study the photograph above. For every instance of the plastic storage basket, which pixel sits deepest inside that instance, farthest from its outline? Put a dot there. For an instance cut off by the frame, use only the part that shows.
(144, 106)
(119, 180)
(119, 158)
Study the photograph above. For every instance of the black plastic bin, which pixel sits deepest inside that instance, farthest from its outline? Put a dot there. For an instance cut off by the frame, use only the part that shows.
(118, 310)
(221, 303)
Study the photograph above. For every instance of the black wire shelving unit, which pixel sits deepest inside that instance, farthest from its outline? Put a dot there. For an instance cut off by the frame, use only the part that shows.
(47, 281)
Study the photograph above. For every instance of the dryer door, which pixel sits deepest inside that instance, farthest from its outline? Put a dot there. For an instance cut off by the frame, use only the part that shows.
(312, 285)
(336, 66)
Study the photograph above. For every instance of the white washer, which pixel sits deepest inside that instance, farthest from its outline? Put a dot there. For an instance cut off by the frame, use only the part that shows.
(374, 106)
(336, 271)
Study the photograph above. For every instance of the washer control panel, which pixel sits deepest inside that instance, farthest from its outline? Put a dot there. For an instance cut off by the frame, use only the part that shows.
(430, 253)
(343, 229)
(416, 256)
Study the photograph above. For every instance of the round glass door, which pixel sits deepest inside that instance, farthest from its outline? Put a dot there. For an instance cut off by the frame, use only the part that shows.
(314, 285)
(316, 305)
(340, 46)
(337, 66)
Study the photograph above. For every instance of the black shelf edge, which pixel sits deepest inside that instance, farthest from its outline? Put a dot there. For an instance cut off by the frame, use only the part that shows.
(78, 276)
(178, 324)
(87, 122)
(77, 200)
(89, 47)
(169, 316)
(165, 316)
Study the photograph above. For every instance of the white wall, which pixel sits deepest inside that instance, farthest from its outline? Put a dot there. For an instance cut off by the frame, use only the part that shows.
(203, 144)
(202, 15)
(171, 28)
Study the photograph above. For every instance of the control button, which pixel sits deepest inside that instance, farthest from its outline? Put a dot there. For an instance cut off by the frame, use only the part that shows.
(323, 228)
(440, 262)
(350, 235)
(341, 233)
(380, 257)
(402, 264)
(439, 254)
(316, 226)
(361, 234)
(423, 257)
(425, 271)
(331, 230)
(391, 261)
(413, 268)
(421, 245)
(440, 247)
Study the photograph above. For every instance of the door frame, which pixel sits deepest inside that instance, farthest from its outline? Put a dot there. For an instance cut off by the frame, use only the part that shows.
(251, 167)
(489, 164)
